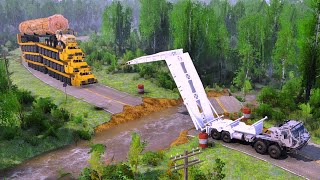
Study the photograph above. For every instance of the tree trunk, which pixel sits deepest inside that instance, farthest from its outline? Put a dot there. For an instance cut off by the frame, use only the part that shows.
(189, 28)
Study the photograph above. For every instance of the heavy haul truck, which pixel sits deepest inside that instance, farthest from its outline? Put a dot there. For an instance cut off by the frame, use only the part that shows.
(48, 46)
(277, 141)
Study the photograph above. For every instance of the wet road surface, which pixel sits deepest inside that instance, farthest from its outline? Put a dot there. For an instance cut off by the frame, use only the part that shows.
(99, 95)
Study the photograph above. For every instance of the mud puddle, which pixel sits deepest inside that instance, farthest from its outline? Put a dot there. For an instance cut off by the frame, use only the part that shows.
(159, 129)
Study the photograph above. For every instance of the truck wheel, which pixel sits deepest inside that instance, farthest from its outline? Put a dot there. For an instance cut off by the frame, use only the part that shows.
(274, 151)
(260, 147)
(215, 134)
(226, 137)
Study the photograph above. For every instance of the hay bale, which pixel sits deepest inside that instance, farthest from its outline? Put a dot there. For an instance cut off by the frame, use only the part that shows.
(42, 26)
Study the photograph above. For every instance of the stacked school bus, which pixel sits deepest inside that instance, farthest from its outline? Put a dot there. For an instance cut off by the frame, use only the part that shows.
(50, 47)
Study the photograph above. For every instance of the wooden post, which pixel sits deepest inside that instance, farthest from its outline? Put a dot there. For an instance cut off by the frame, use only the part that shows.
(185, 165)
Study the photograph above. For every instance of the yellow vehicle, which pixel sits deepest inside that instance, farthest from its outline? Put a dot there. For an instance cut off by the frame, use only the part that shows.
(57, 55)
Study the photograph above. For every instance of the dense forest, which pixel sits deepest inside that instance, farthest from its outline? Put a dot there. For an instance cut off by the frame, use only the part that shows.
(241, 45)
(235, 44)
(247, 41)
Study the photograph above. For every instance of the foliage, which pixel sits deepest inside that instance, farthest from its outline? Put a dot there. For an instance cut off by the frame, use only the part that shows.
(25, 97)
(116, 26)
(268, 95)
(218, 169)
(44, 105)
(119, 171)
(95, 161)
(84, 134)
(246, 87)
(152, 158)
(135, 150)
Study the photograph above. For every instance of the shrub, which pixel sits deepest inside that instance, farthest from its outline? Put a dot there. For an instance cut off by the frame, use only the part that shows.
(269, 96)
(278, 116)
(60, 115)
(24, 97)
(34, 141)
(44, 105)
(263, 110)
(197, 174)
(152, 158)
(78, 119)
(36, 119)
(51, 132)
(8, 133)
(118, 171)
(315, 99)
(84, 134)
(165, 80)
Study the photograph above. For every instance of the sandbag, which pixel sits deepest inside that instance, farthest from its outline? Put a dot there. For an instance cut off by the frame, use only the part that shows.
(42, 26)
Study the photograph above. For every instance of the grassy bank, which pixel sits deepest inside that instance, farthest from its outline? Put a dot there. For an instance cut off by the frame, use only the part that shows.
(237, 165)
(128, 82)
(15, 151)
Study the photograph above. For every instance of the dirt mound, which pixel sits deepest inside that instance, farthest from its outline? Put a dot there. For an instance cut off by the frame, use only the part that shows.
(130, 113)
(213, 93)
(182, 139)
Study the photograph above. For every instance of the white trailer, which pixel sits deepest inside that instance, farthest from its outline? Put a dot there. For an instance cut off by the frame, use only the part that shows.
(278, 140)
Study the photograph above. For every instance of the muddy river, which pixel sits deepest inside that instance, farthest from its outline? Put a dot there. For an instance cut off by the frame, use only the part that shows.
(159, 129)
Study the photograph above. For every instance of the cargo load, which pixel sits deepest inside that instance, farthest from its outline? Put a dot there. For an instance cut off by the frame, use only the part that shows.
(43, 26)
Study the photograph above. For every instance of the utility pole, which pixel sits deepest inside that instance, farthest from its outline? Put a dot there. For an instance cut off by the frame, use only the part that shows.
(65, 90)
(186, 163)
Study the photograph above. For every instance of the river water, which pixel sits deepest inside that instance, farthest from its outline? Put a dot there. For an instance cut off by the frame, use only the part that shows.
(158, 129)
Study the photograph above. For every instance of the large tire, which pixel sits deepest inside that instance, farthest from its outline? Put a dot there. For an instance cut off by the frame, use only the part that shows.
(226, 137)
(215, 134)
(275, 151)
(260, 147)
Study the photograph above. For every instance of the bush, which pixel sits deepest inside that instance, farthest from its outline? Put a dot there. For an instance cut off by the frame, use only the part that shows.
(269, 96)
(24, 97)
(44, 105)
(84, 134)
(8, 133)
(78, 119)
(60, 115)
(36, 119)
(263, 110)
(278, 116)
(118, 171)
(152, 158)
(51, 132)
(165, 80)
(34, 141)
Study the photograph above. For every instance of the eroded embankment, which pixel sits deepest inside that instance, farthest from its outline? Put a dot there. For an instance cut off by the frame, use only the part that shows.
(131, 113)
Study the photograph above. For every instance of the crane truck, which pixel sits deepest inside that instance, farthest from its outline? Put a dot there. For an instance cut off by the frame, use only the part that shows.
(49, 46)
(277, 141)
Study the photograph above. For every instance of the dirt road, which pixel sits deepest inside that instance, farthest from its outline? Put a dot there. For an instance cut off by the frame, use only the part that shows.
(102, 96)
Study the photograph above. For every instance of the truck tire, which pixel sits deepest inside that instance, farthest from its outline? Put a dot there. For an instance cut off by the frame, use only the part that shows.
(215, 134)
(274, 151)
(260, 147)
(226, 137)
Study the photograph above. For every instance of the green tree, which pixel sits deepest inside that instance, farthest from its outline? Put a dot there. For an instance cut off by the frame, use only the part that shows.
(135, 150)
(116, 26)
(284, 53)
(308, 44)
(180, 24)
(154, 23)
